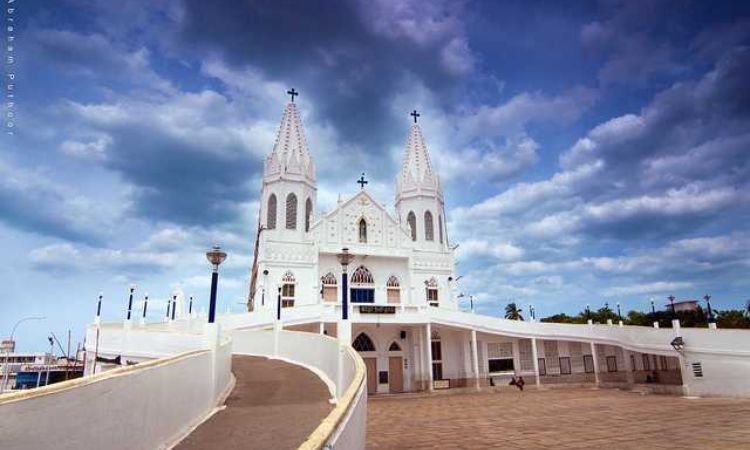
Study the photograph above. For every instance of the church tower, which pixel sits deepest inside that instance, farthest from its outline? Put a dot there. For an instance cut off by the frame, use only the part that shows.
(419, 196)
(287, 203)
(289, 186)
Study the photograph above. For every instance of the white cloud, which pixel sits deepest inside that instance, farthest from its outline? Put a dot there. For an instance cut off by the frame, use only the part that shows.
(656, 287)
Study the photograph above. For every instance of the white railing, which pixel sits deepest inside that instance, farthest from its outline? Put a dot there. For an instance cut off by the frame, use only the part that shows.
(339, 366)
(145, 406)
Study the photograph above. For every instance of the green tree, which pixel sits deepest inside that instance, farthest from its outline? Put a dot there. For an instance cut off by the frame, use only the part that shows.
(513, 312)
(732, 318)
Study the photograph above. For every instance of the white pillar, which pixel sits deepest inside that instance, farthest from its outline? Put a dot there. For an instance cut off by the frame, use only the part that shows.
(656, 324)
(428, 353)
(475, 357)
(711, 325)
(322, 327)
(595, 359)
(628, 367)
(277, 326)
(535, 357)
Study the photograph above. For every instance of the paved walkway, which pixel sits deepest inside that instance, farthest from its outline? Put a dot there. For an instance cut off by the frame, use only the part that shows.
(557, 419)
(274, 405)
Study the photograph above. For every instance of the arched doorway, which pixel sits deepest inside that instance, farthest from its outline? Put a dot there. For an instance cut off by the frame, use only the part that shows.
(364, 345)
(395, 368)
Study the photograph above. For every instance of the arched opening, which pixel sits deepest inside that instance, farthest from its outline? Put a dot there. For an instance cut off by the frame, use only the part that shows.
(431, 291)
(363, 343)
(291, 212)
(271, 212)
(330, 288)
(308, 214)
(393, 290)
(440, 228)
(394, 347)
(429, 227)
(288, 283)
(362, 286)
(411, 221)
(362, 230)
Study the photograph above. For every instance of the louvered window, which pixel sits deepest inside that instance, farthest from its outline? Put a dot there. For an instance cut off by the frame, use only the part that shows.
(291, 212)
(429, 227)
(271, 217)
(411, 220)
(308, 214)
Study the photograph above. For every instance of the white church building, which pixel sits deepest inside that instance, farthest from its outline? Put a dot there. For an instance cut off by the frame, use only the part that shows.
(401, 286)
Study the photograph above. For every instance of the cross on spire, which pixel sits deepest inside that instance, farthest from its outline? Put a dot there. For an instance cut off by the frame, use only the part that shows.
(415, 114)
(362, 182)
(293, 93)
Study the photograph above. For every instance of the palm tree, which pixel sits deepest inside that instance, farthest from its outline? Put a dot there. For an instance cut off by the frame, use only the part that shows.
(513, 312)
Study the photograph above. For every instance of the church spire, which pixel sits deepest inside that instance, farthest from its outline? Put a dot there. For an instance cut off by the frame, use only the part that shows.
(417, 175)
(290, 155)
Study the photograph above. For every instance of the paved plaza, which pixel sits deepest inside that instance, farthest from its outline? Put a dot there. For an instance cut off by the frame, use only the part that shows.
(557, 419)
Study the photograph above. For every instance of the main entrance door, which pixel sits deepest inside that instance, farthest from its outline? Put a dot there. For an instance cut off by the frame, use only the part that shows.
(396, 374)
(372, 380)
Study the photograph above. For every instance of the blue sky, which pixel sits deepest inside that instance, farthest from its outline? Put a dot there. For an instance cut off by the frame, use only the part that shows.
(590, 151)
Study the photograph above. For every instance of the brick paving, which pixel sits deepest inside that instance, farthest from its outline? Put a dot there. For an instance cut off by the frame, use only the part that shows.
(274, 405)
(557, 419)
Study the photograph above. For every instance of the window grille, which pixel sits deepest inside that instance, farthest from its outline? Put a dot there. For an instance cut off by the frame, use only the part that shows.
(271, 213)
(291, 212)
(411, 220)
(429, 227)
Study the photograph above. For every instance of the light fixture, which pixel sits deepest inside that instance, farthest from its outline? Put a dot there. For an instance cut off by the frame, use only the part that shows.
(677, 343)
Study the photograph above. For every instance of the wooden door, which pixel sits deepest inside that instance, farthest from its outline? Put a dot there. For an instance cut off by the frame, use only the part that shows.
(372, 375)
(396, 374)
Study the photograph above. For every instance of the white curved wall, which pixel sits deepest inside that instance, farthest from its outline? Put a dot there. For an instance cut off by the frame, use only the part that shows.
(138, 407)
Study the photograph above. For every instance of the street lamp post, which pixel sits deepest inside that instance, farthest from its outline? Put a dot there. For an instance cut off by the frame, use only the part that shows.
(145, 308)
(7, 351)
(619, 314)
(711, 318)
(215, 256)
(99, 309)
(174, 304)
(263, 292)
(130, 301)
(671, 302)
(532, 312)
(278, 305)
(344, 258)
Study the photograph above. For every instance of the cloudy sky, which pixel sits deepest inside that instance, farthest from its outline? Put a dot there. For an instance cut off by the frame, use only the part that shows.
(590, 151)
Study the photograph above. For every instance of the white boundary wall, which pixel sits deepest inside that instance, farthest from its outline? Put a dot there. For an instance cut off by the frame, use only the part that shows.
(146, 406)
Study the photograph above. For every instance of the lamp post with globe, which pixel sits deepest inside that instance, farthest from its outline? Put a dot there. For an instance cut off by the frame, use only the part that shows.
(215, 256)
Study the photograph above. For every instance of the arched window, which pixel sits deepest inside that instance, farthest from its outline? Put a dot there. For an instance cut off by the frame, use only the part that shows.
(291, 212)
(393, 290)
(308, 214)
(271, 213)
(330, 290)
(429, 227)
(363, 343)
(440, 226)
(362, 230)
(394, 347)
(411, 220)
(288, 283)
(363, 289)
(362, 276)
(431, 291)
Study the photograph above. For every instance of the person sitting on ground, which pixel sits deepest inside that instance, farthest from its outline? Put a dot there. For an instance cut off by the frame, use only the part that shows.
(520, 383)
(512, 381)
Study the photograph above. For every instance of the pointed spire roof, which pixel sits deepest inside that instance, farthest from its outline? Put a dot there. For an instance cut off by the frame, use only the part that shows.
(290, 154)
(417, 174)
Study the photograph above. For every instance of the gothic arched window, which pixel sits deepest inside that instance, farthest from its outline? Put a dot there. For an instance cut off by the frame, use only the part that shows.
(431, 291)
(288, 283)
(291, 212)
(393, 290)
(440, 228)
(330, 290)
(363, 343)
(394, 347)
(429, 227)
(308, 214)
(362, 230)
(411, 220)
(271, 213)
(362, 276)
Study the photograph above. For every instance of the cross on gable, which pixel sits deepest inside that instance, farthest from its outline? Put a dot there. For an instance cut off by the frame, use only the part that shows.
(293, 93)
(415, 114)
(362, 182)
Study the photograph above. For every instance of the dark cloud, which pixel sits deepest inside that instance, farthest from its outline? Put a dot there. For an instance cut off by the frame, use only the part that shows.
(347, 58)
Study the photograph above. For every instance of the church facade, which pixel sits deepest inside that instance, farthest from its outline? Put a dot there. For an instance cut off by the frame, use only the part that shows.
(400, 283)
